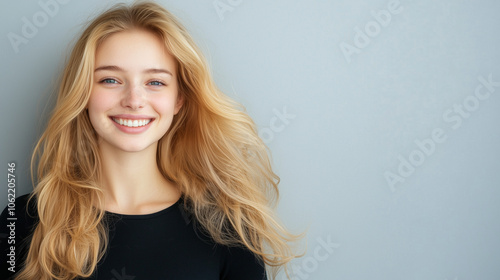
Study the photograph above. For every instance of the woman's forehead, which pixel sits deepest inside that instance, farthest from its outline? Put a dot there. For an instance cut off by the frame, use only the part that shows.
(134, 50)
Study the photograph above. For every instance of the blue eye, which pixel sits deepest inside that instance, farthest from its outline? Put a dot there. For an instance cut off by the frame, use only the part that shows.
(156, 83)
(109, 81)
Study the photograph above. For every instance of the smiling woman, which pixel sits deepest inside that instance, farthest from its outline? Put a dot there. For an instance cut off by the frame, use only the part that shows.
(135, 93)
(145, 168)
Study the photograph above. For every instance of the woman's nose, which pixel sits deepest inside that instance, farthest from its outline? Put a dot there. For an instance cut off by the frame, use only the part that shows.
(134, 97)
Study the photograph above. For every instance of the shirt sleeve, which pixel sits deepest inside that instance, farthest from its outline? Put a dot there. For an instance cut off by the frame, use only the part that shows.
(16, 227)
(242, 264)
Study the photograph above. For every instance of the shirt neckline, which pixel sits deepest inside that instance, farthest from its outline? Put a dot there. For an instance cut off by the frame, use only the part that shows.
(147, 216)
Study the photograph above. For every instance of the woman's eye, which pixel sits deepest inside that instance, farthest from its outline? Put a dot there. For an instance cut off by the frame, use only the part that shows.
(109, 81)
(156, 83)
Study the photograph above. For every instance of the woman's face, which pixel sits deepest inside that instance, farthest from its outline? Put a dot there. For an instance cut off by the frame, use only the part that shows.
(134, 96)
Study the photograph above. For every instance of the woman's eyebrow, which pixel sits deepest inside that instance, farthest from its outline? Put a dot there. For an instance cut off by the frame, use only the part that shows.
(158, 70)
(116, 68)
(109, 67)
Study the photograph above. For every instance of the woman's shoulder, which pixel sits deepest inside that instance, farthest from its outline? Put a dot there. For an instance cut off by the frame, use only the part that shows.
(241, 263)
(20, 215)
(22, 209)
(236, 261)
(17, 223)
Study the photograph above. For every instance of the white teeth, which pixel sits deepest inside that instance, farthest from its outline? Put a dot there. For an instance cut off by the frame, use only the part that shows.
(132, 123)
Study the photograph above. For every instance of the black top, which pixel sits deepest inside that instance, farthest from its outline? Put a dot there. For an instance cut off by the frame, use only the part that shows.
(163, 245)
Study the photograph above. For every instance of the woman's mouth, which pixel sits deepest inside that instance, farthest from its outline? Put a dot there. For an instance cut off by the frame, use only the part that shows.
(131, 123)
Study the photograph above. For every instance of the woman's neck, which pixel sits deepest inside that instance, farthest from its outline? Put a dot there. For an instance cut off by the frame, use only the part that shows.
(132, 182)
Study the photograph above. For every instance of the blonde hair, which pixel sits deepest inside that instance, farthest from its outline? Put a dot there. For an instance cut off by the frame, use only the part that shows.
(211, 151)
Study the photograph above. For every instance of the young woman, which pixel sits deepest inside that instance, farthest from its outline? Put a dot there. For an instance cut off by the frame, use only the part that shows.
(146, 170)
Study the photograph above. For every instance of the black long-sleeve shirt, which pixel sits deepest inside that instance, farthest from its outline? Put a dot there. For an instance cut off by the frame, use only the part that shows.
(163, 245)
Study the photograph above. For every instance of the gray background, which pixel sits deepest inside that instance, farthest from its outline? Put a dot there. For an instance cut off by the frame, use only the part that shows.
(352, 118)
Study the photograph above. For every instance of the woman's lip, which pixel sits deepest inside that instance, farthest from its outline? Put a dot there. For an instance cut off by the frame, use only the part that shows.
(132, 117)
(132, 130)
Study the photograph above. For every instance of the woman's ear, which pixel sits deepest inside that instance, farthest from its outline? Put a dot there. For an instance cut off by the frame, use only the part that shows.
(179, 103)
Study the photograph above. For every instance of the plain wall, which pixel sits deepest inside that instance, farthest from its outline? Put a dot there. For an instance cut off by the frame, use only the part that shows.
(384, 131)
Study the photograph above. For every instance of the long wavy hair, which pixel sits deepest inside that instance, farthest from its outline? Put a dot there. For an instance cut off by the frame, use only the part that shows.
(211, 151)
